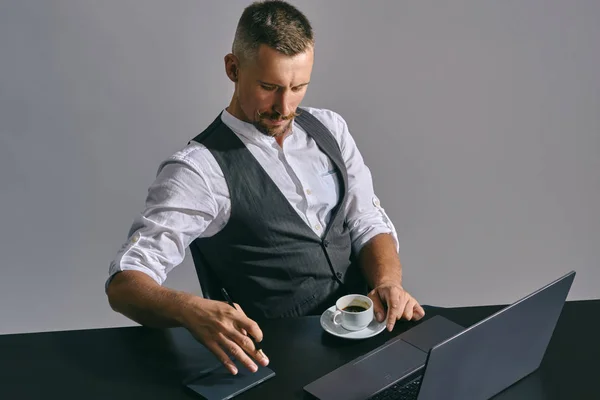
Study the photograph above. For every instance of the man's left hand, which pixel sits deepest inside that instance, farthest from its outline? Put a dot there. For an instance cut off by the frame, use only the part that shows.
(398, 303)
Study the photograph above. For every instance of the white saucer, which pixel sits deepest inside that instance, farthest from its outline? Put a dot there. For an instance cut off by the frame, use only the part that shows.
(371, 330)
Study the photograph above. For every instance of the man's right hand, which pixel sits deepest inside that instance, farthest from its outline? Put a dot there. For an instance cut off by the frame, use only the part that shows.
(217, 325)
(224, 330)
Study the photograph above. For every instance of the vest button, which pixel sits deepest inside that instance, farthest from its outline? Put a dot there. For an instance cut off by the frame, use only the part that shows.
(339, 275)
(325, 243)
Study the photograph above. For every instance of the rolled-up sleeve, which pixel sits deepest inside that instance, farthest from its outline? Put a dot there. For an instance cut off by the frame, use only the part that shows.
(179, 208)
(365, 215)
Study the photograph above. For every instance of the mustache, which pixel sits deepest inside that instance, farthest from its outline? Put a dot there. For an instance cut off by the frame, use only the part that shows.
(276, 116)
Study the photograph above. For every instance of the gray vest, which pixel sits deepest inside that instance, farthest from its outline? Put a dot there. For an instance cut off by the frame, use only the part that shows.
(267, 258)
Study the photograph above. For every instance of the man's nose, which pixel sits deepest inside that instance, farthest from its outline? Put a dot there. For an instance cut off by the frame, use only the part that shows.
(284, 105)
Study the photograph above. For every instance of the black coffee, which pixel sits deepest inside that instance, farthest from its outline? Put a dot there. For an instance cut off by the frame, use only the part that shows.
(354, 308)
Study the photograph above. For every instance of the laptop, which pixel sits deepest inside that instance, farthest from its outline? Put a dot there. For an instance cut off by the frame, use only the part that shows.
(473, 363)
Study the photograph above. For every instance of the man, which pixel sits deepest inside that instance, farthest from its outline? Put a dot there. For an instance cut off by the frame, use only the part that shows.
(275, 198)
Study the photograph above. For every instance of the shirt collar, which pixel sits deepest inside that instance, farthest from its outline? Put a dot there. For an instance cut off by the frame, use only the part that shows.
(246, 129)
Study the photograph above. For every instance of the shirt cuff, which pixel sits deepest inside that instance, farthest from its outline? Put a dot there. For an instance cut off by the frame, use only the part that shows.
(114, 269)
(359, 243)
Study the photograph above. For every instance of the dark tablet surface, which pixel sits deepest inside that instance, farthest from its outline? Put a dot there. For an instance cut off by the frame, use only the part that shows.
(219, 384)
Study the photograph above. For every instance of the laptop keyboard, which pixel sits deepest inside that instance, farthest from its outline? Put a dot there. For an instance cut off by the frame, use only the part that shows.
(398, 391)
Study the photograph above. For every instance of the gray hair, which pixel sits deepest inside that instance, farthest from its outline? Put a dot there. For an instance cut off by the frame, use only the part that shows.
(274, 23)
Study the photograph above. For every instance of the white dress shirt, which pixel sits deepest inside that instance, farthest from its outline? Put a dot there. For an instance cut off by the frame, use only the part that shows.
(190, 198)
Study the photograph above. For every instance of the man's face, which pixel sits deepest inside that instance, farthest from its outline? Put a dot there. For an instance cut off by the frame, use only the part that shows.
(271, 87)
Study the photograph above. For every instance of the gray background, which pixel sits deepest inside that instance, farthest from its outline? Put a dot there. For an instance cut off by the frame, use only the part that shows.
(479, 121)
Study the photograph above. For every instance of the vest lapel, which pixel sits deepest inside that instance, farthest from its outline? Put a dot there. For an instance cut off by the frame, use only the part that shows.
(327, 143)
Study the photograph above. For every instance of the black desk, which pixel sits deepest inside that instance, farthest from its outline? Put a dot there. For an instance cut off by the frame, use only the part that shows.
(142, 363)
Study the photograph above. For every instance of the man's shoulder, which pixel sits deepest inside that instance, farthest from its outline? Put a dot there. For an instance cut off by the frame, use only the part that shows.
(327, 117)
(194, 155)
(332, 121)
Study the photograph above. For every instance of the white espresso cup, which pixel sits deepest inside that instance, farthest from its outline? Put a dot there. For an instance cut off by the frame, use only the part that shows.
(354, 312)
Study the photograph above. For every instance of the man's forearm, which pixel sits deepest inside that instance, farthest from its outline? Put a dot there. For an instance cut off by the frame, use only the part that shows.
(138, 297)
(379, 261)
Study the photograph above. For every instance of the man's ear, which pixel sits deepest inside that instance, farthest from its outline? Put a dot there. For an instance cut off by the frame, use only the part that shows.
(232, 67)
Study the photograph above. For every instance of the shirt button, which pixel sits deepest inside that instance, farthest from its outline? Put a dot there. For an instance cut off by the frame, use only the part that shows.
(135, 239)
(376, 202)
(318, 227)
(308, 191)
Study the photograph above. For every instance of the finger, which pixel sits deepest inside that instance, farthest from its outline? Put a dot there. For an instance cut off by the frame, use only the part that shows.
(408, 309)
(418, 311)
(396, 303)
(221, 356)
(262, 357)
(251, 327)
(239, 308)
(377, 305)
(235, 350)
(248, 346)
(392, 315)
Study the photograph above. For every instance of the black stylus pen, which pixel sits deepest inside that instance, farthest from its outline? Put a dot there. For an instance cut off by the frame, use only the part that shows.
(228, 299)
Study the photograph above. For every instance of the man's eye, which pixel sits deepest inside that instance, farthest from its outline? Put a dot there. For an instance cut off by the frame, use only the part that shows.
(269, 88)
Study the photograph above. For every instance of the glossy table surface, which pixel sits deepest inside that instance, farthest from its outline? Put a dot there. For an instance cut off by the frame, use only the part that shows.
(144, 363)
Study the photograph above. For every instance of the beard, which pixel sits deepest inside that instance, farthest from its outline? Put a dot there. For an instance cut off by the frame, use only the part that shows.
(262, 123)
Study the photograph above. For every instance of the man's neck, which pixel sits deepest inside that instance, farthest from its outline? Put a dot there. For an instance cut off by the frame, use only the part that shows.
(235, 110)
